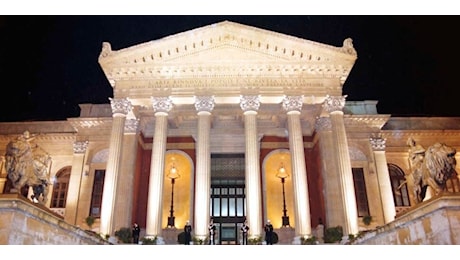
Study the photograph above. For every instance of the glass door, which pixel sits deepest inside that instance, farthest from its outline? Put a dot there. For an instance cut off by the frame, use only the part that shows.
(227, 200)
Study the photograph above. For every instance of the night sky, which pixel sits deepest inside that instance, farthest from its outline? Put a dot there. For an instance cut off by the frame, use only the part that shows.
(48, 64)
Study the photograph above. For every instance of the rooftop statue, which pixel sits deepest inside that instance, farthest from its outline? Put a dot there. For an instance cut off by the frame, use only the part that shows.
(431, 168)
(28, 164)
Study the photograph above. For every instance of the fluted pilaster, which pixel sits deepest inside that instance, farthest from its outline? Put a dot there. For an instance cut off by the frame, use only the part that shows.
(73, 192)
(378, 146)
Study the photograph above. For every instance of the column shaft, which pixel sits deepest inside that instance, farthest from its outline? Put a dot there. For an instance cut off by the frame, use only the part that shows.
(155, 193)
(203, 176)
(111, 175)
(73, 192)
(124, 199)
(386, 193)
(345, 174)
(299, 175)
(253, 189)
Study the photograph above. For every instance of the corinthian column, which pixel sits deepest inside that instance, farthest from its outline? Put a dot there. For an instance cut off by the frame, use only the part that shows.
(120, 108)
(250, 105)
(383, 176)
(204, 105)
(73, 193)
(334, 106)
(162, 106)
(293, 106)
(124, 199)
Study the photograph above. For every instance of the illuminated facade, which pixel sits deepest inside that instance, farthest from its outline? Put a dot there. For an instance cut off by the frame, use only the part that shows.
(225, 108)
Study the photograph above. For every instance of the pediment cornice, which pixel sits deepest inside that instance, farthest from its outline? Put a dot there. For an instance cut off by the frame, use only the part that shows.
(225, 54)
(81, 124)
(228, 35)
(365, 122)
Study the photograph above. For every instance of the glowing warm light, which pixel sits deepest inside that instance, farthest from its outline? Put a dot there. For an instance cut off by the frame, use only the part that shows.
(282, 174)
(173, 173)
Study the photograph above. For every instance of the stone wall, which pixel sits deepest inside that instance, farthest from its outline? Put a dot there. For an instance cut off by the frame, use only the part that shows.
(433, 222)
(26, 223)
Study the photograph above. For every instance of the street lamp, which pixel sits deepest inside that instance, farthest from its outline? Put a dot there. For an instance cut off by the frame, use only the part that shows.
(173, 175)
(282, 174)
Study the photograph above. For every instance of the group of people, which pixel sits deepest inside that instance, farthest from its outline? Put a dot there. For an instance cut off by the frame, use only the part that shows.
(269, 233)
(188, 232)
(212, 233)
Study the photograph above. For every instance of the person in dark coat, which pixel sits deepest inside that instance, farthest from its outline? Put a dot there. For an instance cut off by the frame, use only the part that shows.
(244, 231)
(136, 232)
(268, 233)
(188, 232)
(212, 232)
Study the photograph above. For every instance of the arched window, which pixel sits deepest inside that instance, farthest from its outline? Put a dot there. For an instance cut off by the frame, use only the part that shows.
(60, 187)
(398, 186)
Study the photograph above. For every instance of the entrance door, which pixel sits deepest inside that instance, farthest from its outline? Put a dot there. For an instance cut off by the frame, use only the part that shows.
(227, 197)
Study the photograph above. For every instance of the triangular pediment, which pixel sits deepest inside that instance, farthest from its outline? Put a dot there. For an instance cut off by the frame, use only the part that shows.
(229, 42)
(225, 57)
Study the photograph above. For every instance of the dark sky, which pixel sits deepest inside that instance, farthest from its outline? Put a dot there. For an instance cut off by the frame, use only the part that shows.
(48, 64)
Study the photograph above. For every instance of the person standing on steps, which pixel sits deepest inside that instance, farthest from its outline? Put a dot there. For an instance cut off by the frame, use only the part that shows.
(188, 232)
(268, 233)
(244, 230)
(212, 232)
(136, 231)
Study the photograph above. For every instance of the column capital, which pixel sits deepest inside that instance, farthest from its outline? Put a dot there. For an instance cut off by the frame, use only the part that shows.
(131, 125)
(80, 146)
(292, 103)
(204, 103)
(323, 124)
(161, 104)
(334, 103)
(378, 143)
(249, 103)
(120, 107)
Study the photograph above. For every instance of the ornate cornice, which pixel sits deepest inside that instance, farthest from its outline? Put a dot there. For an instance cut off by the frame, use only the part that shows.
(231, 34)
(49, 137)
(227, 56)
(90, 123)
(227, 86)
(365, 122)
(260, 70)
(421, 133)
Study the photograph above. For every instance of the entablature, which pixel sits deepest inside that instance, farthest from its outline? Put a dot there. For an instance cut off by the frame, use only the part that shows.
(366, 123)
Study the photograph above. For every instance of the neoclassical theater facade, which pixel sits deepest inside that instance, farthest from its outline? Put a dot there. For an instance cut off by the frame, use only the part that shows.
(233, 123)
